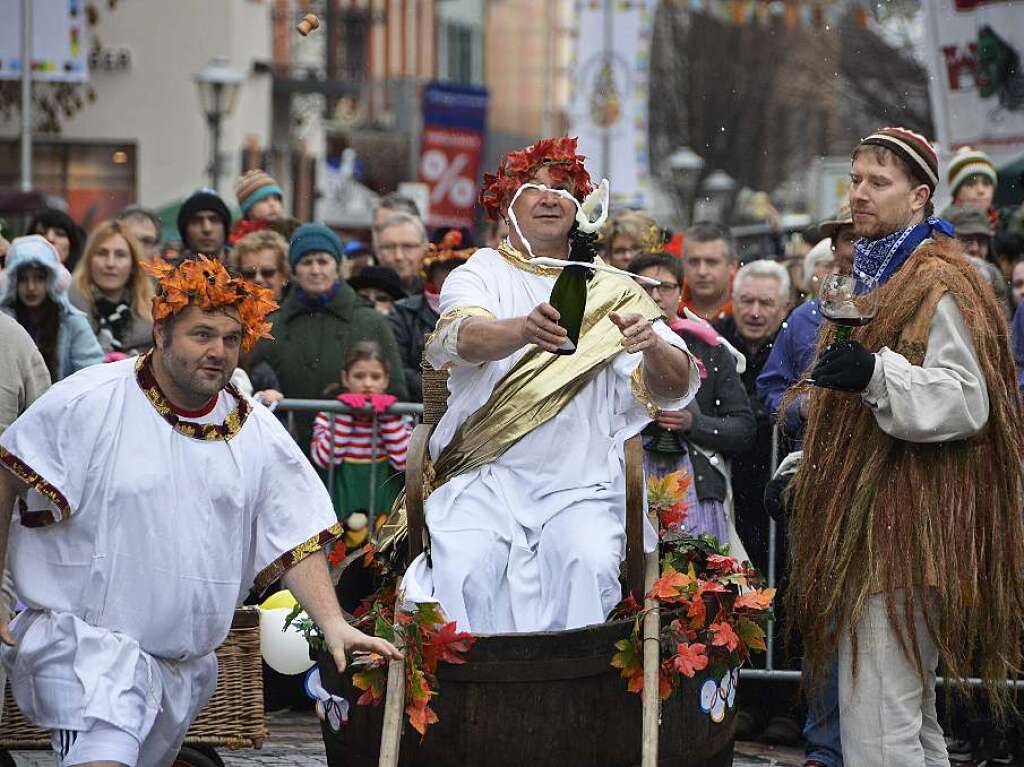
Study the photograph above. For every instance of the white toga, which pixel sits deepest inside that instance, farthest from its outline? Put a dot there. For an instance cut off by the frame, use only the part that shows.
(533, 540)
(135, 544)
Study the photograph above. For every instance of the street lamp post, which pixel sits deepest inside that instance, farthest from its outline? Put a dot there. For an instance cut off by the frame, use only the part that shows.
(684, 166)
(218, 87)
(717, 191)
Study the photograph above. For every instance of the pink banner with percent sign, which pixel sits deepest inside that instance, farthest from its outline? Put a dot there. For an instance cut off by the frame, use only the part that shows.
(451, 148)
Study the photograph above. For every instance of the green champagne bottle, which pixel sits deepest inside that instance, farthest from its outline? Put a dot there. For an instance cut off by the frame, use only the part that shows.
(569, 295)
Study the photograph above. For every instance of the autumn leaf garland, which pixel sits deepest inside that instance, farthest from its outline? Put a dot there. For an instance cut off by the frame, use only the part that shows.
(428, 640)
(708, 621)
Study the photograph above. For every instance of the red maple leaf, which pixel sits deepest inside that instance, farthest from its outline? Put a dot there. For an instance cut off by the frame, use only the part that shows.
(758, 599)
(673, 516)
(723, 564)
(337, 555)
(710, 587)
(627, 606)
(421, 716)
(447, 645)
(690, 658)
(724, 636)
(670, 586)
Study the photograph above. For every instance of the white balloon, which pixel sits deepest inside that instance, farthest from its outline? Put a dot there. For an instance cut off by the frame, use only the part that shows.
(287, 652)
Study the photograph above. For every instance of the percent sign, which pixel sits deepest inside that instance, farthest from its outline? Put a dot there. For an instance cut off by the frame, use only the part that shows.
(447, 179)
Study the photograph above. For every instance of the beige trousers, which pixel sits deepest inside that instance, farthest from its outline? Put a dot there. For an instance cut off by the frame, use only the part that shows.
(887, 713)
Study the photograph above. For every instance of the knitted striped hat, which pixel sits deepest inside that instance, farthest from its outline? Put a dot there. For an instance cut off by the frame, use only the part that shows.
(913, 148)
(969, 162)
(253, 186)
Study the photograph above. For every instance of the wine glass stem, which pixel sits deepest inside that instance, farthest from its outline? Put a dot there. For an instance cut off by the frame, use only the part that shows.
(843, 332)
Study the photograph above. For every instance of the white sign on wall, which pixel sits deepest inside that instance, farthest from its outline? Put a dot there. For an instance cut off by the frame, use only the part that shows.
(609, 94)
(60, 49)
(977, 82)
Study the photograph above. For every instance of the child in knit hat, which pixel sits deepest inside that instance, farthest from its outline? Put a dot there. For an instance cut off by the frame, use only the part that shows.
(261, 201)
(972, 178)
(259, 196)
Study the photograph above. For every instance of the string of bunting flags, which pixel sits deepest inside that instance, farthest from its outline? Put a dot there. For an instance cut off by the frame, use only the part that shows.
(805, 14)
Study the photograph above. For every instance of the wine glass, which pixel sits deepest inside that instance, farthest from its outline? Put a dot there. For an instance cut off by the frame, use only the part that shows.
(848, 300)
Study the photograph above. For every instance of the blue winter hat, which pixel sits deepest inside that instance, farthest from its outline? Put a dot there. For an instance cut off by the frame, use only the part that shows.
(314, 238)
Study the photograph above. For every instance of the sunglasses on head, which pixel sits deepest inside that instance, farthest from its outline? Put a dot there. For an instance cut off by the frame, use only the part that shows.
(266, 272)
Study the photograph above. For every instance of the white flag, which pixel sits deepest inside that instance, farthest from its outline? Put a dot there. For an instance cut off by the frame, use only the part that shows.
(609, 99)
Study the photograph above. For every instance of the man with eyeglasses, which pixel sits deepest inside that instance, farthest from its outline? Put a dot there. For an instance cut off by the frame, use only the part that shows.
(401, 243)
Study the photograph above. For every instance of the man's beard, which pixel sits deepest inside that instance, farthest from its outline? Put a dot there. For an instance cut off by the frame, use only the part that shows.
(189, 382)
(883, 228)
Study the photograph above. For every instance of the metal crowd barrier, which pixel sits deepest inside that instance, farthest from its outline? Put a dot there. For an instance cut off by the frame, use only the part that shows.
(769, 672)
(289, 407)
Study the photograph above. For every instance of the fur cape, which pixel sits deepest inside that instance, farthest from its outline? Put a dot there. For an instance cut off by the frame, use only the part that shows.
(873, 514)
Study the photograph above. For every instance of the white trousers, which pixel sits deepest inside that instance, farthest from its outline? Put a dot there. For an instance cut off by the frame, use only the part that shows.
(887, 713)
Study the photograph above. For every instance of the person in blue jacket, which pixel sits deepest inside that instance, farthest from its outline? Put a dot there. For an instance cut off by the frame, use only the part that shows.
(35, 293)
(797, 341)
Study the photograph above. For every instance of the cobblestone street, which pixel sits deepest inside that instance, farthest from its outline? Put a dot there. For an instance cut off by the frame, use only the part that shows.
(295, 740)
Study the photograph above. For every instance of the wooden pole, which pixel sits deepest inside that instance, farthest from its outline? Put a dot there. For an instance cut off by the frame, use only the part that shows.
(652, 664)
(26, 95)
(394, 706)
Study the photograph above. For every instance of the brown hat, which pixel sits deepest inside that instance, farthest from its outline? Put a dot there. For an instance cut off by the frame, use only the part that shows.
(253, 186)
(968, 220)
(843, 217)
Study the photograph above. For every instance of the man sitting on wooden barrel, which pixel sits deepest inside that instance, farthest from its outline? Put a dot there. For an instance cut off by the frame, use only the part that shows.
(527, 512)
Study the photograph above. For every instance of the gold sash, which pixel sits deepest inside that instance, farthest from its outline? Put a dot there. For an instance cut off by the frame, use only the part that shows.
(538, 386)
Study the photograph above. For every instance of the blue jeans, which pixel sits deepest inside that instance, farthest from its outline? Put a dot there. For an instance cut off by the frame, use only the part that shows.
(821, 730)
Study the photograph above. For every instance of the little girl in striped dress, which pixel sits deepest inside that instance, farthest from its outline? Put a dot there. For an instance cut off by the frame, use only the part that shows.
(345, 441)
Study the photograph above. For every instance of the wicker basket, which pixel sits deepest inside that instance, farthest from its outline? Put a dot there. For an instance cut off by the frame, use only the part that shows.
(233, 718)
(435, 393)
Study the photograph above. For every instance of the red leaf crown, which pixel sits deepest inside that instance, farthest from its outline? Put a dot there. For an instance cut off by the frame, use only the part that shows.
(557, 154)
(206, 283)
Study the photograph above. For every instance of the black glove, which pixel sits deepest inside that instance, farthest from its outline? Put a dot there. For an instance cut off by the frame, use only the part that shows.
(844, 365)
(775, 498)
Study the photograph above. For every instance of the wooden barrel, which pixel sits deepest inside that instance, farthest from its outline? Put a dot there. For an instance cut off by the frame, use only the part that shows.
(537, 699)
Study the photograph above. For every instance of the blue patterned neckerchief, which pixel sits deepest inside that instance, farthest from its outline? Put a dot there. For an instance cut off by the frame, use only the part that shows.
(880, 259)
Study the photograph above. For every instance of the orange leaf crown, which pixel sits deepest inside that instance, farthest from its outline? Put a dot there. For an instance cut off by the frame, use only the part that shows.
(557, 154)
(206, 283)
(447, 250)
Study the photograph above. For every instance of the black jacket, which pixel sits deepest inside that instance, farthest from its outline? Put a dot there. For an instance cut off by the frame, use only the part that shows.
(411, 320)
(751, 469)
(722, 419)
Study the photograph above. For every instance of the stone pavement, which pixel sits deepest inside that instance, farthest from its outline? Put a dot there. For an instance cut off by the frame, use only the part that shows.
(294, 741)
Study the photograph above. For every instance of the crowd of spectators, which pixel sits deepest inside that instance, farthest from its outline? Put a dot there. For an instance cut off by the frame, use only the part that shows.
(353, 315)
